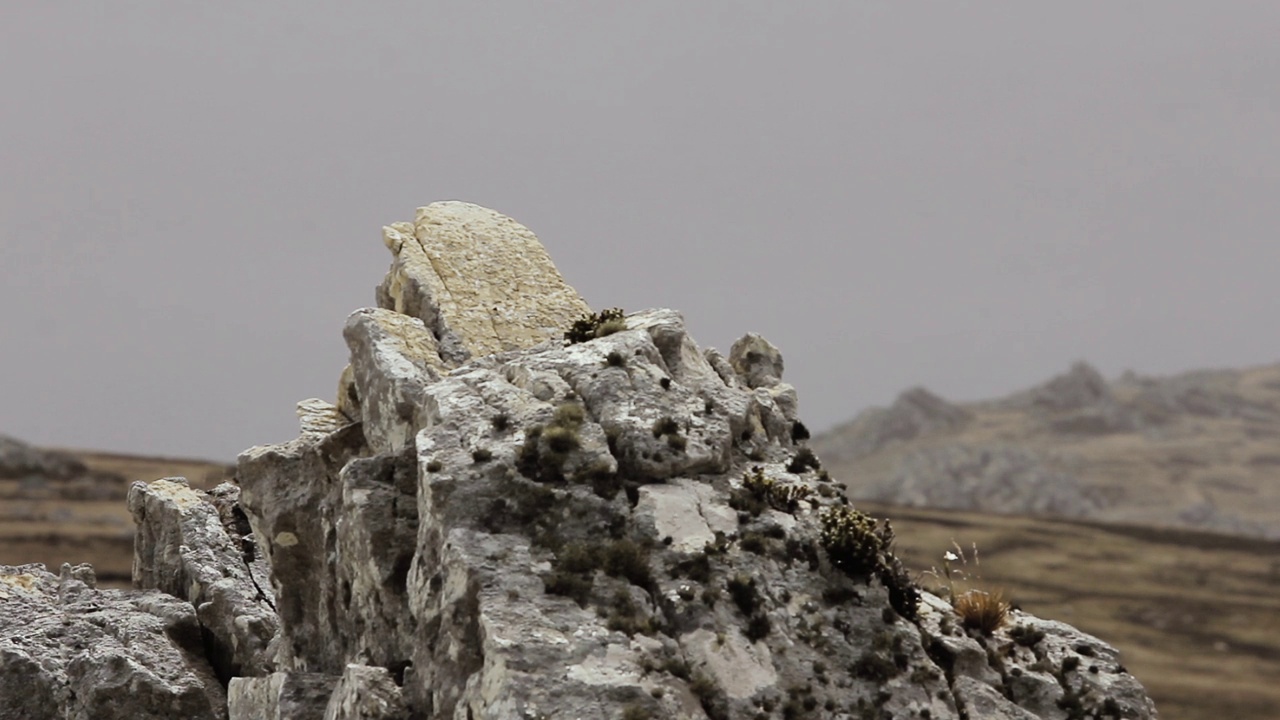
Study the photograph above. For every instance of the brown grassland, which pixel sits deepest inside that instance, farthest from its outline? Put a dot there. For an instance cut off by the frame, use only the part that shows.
(99, 531)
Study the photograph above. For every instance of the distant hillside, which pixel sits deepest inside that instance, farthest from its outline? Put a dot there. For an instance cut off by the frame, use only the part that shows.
(1198, 450)
(61, 506)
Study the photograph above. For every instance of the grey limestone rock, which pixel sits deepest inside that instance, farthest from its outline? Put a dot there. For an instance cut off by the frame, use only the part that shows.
(69, 651)
(366, 693)
(182, 546)
(280, 696)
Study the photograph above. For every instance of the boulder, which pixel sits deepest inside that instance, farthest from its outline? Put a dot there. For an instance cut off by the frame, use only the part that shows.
(185, 547)
(480, 281)
(69, 651)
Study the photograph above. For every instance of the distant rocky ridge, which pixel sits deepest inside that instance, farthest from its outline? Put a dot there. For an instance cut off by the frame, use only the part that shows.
(51, 474)
(493, 522)
(1195, 450)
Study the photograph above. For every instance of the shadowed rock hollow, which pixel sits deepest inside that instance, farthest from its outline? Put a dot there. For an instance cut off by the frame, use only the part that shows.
(493, 521)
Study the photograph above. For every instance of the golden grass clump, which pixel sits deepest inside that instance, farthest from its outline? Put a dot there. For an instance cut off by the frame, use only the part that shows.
(982, 611)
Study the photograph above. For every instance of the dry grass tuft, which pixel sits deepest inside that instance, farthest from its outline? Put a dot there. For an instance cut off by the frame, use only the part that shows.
(982, 611)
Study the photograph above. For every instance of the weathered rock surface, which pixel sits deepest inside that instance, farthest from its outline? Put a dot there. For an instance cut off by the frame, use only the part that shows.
(480, 281)
(185, 547)
(494, 523)
(69, 651)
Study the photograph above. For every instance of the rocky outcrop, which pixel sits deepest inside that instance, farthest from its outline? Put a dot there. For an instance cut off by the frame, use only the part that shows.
(69, 651)
(19, 460)
(193, 546)
(1194, 450)
(1077, 402)
(54, 475)
(493, 521)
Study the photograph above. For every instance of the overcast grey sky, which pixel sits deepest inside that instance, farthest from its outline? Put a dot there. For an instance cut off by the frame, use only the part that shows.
(964, 195)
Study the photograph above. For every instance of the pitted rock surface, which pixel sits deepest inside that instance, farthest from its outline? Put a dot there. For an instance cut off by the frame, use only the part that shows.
(69, 651)
(479, 280)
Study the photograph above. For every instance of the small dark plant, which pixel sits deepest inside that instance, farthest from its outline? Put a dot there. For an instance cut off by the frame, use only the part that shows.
(742, 588)
(561, 439)
(666, 425)
(595, 325)
(758, 627)
(615, 359)
(804, 460)
(799, 432)
(626, 559)
(481, 455)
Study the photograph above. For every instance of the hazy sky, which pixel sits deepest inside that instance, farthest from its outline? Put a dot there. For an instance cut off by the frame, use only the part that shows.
(964, 195)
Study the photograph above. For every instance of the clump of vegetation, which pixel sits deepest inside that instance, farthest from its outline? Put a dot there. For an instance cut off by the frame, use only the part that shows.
(861, 546)
(742, 588)
(636, 712)
(1026, 636)
(714, 701)
(573, 572)
(625, 617)
(677, 667)
(758, 627)
(799, 432)
(885, 659)
(665, 425)
(434, 466)
(668, 426)
(595, 325)
(978, 609)
(665, 383)
(696, 568)
(804, 460)
(615, 359)
(570, 585)
(481, 455)
(545, 450)
(625, 559)
(759, 491)
(561, 440)
(754, 543)
(500, 422)
(982, 611)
